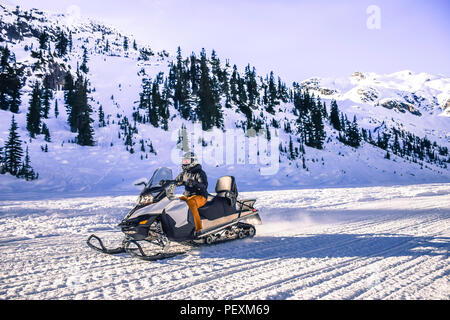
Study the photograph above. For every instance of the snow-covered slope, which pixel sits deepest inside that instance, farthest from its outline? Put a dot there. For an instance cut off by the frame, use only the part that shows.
(417, 103)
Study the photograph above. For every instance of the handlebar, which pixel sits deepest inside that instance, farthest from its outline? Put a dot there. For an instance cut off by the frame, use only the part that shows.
(162, 186)
(165, 183)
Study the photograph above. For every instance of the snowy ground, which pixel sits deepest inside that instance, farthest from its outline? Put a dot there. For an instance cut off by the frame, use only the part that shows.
(359, 243)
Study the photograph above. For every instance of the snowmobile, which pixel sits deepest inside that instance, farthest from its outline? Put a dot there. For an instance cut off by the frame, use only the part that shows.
(160, 219)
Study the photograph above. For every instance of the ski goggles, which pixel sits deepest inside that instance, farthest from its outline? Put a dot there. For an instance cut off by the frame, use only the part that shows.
(187, 161)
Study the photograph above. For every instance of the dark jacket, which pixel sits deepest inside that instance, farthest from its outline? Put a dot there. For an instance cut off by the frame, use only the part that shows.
(195, 181)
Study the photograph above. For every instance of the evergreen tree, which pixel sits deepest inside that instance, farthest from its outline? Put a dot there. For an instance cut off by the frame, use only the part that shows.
(47, 95)
(383, 142)
(252, 86)
(334, 116)
(352, 136)
(46, 132)
(5, 57)
(396, 146)
(242, 101)
(79, 110)
(70, 41)
(78, 102)
(180, 79)
(215, 67)
(163, 109)
(194, 74)
(84, 68)
(43, 39)
(155, 104)
(317, 128)
(282, 91)
(324, 111)
(310, 119)
(84, 121)
(10, 81)
(101, 117)
(15, 85)
(226, 85)
(234, 83)
(2, 161)
(302, 107)
(272, 95)
(208, 109)
(129, 139)
(145, 95)
(61, 44)
(27, 171)
(13, 150)
(125, 43)
(56, 109)
(107, 46)
(343, 122)
(34, 111)
(69, 94)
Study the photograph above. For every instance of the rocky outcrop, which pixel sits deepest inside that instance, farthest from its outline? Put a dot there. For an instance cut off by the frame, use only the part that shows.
(327, 92)
(56, 76)
(447, 106)
(310, 84)
(19, 29)
(313, 84)
(358, 76)
(368, 94)
(399, 106)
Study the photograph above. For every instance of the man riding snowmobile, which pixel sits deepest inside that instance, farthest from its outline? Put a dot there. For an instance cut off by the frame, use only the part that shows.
(196, 184)
(160, 226)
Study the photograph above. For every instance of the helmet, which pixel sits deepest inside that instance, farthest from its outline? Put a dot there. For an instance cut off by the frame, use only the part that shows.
(190, 160)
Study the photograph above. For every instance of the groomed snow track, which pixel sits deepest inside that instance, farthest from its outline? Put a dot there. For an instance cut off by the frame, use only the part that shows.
(358, 243)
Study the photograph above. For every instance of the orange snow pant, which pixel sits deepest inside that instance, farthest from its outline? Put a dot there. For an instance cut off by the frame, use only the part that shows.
(194, 203)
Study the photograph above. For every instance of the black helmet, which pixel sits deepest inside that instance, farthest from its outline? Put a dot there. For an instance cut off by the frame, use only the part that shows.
(190, 160)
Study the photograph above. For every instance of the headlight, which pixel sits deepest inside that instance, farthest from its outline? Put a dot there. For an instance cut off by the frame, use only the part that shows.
(146, 200)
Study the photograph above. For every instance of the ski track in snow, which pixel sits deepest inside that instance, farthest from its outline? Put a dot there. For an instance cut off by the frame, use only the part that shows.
(357, 243)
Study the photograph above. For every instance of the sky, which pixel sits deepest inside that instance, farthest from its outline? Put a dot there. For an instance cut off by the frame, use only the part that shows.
(295, 39)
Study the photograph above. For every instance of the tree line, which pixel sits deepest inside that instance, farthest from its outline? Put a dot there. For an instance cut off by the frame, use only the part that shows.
(202, 88)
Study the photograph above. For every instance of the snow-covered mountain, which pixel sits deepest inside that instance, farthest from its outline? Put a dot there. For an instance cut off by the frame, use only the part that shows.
(418, 102)
(415, 103)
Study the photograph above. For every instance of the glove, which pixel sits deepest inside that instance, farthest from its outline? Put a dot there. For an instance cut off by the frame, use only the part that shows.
(179, 181)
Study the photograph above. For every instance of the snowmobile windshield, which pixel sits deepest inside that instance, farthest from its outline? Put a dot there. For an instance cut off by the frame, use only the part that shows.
(160, 175)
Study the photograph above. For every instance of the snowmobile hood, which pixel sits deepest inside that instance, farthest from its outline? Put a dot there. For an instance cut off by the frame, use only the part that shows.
(157, 208)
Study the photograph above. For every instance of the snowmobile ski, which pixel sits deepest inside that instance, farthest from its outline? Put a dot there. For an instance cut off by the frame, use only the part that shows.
(138, 252)
(102, 247)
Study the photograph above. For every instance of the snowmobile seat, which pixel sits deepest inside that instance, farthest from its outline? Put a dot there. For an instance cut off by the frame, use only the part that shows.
(226, 188)
(221, 209)
(216, 209)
